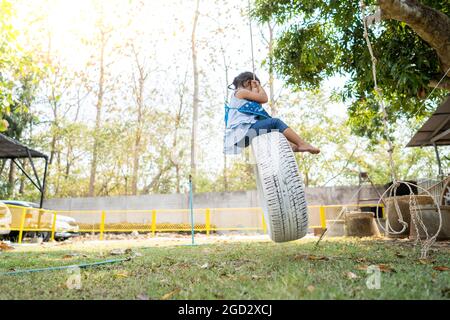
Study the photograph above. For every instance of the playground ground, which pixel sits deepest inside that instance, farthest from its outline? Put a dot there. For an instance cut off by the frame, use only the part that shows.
(228, 267)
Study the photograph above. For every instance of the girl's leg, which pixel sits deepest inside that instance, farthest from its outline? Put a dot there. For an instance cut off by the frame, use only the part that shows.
(302, 145)
(275, 124)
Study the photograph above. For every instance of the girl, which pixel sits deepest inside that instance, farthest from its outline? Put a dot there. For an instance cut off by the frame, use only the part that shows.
(242, 127)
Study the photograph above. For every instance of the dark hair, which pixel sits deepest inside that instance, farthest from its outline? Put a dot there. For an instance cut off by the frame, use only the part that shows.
(241, 79)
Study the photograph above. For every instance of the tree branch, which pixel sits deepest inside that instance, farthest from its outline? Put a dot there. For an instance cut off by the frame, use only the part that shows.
(430, 24)
(445, 84)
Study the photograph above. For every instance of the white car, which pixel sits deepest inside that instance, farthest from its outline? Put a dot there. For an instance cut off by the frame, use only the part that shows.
(5, 219)
(65, 227)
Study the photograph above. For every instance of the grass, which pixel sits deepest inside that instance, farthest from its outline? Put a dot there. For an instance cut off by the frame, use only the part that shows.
(240, 270)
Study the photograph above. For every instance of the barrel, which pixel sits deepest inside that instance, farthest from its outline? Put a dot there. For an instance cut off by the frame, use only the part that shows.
(360, 224)
(403, 204)
(430, 217)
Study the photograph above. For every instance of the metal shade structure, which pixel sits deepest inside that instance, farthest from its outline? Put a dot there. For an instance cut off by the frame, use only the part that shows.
(14, 150)
(435, 131)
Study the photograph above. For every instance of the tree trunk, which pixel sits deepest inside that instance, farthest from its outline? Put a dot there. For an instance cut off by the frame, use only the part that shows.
(178, 178)
(430, 24)
(98, 106)
(225, 157)
(195, 101)
(136, 155)
(11, 178)
(139, 92)
(22, 179)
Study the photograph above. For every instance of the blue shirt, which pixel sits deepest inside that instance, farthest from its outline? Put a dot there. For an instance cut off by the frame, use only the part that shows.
(238, 125)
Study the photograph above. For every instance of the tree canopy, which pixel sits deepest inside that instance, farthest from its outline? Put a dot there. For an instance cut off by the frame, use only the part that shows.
(19, 76)
(319, 39)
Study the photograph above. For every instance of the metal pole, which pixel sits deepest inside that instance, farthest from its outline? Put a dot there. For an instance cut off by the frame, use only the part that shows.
(191, 207)
(43, 183)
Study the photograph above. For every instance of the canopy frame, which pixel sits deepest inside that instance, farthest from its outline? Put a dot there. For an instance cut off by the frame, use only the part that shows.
(13, 150)
(435, 132)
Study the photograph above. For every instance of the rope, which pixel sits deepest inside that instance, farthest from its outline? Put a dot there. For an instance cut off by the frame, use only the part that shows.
(437, 85)
(251, 39)
(81, 266)
(416, 214)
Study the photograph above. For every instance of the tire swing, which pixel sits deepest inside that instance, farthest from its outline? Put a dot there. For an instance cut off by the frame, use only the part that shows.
(280, 187)
(279, 184)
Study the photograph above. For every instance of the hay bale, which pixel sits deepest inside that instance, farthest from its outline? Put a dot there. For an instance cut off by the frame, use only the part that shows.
(360, 224)
(430, 218)
(403, 203)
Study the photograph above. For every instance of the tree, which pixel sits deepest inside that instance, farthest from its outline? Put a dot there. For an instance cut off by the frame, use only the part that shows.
(140, 76)
(325, 38)
(195, 97)
(19, 79)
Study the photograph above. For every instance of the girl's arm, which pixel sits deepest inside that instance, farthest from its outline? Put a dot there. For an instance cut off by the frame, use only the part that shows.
(257, 94)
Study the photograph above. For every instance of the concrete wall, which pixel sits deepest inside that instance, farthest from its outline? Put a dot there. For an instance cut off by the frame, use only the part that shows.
(117, 208)
(240, 199)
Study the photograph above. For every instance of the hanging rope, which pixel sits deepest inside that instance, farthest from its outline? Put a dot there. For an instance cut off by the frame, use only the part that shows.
(251, 38)
(415, 211)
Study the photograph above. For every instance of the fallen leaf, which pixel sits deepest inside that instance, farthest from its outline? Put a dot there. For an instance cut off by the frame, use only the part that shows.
(362, 267)
(385, 268)
(311, 257)
(441, 268)
(5, 247)
(426, 261)
(382, 267)
(123, 274)
(351, 275)
(169, 295)
(70, 256)
(311, 288)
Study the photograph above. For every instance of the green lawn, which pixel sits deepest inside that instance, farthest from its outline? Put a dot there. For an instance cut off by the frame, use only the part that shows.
(246, 270)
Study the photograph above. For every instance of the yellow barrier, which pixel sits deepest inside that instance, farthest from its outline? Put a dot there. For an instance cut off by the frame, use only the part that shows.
(152, 221)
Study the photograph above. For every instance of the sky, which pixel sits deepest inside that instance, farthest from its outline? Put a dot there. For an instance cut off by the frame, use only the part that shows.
(162, 29)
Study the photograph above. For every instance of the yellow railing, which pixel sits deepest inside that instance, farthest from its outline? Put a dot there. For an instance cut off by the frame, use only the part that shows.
(206, 220)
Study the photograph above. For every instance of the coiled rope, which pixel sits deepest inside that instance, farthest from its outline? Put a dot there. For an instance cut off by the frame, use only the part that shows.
(415, 211)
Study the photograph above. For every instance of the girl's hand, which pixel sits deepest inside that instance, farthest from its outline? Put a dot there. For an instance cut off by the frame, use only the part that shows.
(255, 83)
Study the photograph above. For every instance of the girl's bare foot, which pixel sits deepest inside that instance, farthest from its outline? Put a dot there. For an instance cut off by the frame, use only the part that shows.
(307, 148)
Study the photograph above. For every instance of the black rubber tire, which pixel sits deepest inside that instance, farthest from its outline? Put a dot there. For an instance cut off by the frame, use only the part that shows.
(280, 188)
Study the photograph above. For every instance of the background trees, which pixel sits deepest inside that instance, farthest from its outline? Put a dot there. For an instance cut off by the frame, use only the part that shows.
(108, 89)
(320, 39)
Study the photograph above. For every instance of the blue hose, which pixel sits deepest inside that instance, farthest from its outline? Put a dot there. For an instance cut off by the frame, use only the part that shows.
(82, 265)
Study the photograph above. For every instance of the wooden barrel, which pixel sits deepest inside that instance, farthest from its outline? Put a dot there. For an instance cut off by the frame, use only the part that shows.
(430, 218)
(403, 203)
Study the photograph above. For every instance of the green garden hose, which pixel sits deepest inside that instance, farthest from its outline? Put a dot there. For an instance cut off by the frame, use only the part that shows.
(81, 266)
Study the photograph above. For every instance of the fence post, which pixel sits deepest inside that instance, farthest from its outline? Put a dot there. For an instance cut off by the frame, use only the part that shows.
(153, 223)
(323, 221)
(208, 221)
(102, 225)
(53, 226)
(22, 224)
(264, 223)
